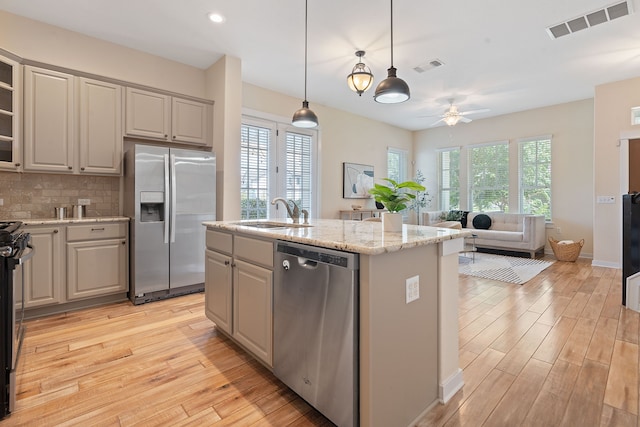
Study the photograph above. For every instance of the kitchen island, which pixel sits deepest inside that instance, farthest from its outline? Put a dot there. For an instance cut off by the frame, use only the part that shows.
(408, 351)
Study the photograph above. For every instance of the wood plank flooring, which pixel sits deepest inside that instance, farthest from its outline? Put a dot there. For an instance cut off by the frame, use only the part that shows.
(559, 350)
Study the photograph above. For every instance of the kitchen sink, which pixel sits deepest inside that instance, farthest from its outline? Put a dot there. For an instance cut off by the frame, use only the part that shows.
(272, 225)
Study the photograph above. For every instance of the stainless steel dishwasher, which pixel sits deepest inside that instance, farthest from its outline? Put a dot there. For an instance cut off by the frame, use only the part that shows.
(315, 328)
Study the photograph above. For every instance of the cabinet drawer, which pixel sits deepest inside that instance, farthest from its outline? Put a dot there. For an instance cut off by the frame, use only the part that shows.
(254, 250)
(219, 241)
(96, 231)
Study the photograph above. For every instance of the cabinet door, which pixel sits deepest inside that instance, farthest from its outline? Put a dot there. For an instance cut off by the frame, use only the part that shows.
(44, 272)
(148, 114)
(252, 311)
(218, 289)
(48, 127)
(100, 139)
(189, 121)
(10, 114)
(95, 268)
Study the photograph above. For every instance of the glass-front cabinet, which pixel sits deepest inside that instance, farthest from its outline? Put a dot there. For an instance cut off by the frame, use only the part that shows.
(9, 114)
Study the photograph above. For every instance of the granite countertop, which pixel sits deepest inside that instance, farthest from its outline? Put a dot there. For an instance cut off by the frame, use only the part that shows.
(86, 220)
(365, 237)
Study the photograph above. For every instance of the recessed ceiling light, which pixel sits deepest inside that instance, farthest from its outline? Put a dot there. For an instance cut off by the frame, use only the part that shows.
(217, 18)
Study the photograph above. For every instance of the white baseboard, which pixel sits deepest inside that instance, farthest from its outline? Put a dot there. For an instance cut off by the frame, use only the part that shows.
(607, 264)
(450, 386)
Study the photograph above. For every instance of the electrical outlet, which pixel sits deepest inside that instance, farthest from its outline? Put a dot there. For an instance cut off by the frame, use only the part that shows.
(84, 201)
(605, 199)
(413, 288)
(558, 230)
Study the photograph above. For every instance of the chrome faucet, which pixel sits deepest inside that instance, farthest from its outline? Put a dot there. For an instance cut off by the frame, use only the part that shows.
(293, 214)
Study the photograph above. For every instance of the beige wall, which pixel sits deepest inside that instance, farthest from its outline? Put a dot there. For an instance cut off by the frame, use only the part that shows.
(571, 126)
(343, 137)
(45, 43)
(612, 106)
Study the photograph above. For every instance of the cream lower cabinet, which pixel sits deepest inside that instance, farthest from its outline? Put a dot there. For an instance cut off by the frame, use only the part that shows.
(96, 260)
(44, 273)
(239, 290)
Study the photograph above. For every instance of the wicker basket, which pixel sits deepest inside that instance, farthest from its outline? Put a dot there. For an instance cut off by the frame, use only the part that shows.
(566, 252)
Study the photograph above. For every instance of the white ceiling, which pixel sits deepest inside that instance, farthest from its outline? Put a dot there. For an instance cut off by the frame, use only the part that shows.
(497, 53)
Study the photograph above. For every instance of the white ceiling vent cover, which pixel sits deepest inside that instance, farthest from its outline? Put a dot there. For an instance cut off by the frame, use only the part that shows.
(434, 63)
(588, 20)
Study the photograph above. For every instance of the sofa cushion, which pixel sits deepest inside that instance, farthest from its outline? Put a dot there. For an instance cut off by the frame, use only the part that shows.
(482, 222)
(499, 236)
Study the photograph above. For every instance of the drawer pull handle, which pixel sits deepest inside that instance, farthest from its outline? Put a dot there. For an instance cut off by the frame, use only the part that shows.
(98, 229)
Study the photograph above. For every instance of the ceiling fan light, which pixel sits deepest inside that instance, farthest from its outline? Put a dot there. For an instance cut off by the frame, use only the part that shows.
(304, 117)
(392, 90)
(361, 77)
(452, 120)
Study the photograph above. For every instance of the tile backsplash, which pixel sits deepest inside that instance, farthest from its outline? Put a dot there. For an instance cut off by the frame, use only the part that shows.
(35, 195)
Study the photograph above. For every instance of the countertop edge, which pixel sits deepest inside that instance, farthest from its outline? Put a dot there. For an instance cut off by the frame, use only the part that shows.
(389, 242)
(65, 221)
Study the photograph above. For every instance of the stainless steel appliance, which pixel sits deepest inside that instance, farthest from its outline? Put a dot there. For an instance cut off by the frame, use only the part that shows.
(630, 239)
(15, 250)
(315, 330)
(168, 193)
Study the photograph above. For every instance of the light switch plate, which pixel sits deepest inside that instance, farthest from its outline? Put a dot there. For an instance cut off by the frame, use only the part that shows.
(606, 199)
(412, 288)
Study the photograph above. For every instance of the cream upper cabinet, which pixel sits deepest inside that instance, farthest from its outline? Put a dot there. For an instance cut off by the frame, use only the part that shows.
(100, 126)
(10, 114)
(48, 120)
(168, 118)
(72, 124)
(148, 114)
(189, 121)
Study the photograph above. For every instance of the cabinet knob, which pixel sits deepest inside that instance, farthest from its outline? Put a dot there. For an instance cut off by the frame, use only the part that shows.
(82, 168)
(227, 263)
(55, 231)
(124, 242)
(69, 167)
(166, 136)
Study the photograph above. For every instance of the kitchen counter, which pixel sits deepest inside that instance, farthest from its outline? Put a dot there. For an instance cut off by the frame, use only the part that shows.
(86, 220)
(364, 237)
(408, 347)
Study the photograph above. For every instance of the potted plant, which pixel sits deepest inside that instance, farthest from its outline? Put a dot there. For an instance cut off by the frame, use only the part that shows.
(395, 197)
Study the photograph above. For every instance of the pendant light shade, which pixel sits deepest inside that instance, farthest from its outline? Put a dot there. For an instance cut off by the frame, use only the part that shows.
(361, 77)
(304, 117)
(392, 90)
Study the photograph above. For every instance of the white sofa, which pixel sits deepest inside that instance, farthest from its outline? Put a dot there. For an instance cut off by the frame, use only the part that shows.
(508, 231)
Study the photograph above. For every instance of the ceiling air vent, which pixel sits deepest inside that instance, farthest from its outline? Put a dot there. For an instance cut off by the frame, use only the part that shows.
(588, 20)
(434, 63)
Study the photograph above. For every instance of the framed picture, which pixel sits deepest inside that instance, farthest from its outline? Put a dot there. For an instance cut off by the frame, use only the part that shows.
(357, 180)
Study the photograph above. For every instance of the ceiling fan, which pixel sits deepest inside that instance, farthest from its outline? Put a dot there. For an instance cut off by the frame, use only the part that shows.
(452, 116)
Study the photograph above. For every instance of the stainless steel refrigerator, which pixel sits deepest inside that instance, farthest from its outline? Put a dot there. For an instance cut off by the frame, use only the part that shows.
(168, 193)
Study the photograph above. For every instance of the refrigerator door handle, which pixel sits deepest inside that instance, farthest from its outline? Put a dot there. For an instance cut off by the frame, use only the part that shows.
(166, 198)
(173, 198)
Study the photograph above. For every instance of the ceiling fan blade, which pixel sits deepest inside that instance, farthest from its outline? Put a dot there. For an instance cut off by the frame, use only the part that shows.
(435, 123)
(465, 119)
(483, 110)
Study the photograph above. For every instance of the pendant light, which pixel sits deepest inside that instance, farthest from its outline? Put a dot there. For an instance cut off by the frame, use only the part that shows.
(361, 77)
(304, 117)
(392, 90)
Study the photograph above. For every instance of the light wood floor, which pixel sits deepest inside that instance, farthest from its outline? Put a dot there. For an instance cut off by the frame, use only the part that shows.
(557, 351)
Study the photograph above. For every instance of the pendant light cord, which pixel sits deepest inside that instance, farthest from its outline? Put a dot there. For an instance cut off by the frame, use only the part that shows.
(306, 7)
(391, 33)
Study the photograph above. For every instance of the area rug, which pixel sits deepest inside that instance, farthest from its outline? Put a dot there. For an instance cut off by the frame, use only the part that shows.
(503, 268)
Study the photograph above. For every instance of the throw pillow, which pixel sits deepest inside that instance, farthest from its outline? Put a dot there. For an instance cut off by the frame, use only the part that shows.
(454, 216)
(463, 220)
(482, 222)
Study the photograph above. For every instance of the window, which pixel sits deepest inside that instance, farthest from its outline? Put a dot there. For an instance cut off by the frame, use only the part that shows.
(397, 164)
(449, 179)
(535, 176)
(489, 177)
(255, 142)
(276, 160)
(299, 170)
